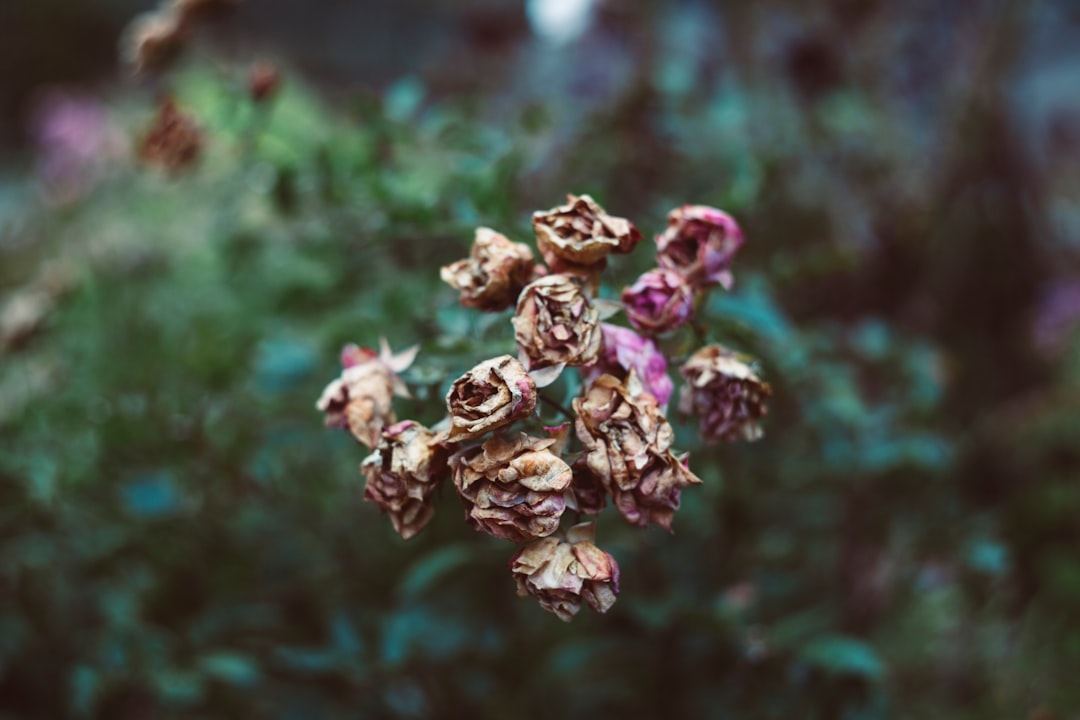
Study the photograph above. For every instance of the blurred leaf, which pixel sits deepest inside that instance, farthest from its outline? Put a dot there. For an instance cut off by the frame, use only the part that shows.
(843, 655)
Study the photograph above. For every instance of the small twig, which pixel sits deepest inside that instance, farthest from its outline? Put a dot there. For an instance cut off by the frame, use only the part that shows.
(548, 401)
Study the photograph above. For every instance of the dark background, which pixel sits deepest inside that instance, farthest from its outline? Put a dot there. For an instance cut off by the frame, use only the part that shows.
(179, 536)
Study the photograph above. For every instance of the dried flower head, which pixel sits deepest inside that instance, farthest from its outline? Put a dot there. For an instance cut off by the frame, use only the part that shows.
(660, 301)
(175, 140)
(494, 273)
(361, 399)
(577, 237)
(403, 473)
(555, 324)
(624, 350)
(561, 573)
(154, 40)
(493, 394)
(725, 393)
(700, 244)
(587, 493)
(263, 81)
(628, 446)
(512, 489)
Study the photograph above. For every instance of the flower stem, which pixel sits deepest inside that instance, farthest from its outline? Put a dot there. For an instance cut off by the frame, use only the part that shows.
(551, 403)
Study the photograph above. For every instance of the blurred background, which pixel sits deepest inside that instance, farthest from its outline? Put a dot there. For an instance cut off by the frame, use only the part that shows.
(181, 538)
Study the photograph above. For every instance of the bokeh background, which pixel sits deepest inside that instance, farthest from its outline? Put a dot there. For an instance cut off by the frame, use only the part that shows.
(181, 538)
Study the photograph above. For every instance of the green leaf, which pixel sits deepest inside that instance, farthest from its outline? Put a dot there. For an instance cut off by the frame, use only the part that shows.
(844, 655)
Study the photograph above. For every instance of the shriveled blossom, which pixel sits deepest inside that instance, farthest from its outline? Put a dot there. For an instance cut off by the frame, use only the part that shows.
(577, 237)
(492, 277)
(700, 243)
(660, 301)
(725, 393)
(628, 446)
(360, 400)
(655, 497)
(512, 489)
(624, 350)
(174, 142)
(587, 493)
(561, 573)
(556, 324)
(493, 394)
(403, 473)
(154, 40)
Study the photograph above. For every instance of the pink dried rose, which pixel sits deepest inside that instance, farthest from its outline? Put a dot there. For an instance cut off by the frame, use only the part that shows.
(700, 244)
(656, 495)
(624, 350)
(628, 446)
(493, 394)
(494, 273)
(360, 400)
(725, 393)
(512, 489)
(577, 237)
(408, 465)
(561, 573)
(660, 301)
(555, 324)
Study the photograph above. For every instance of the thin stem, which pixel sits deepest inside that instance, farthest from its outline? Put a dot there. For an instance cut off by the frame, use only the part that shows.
(551, 403)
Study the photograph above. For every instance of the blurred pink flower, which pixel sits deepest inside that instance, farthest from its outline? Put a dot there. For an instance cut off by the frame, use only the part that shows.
(624, 350)
(75, 140)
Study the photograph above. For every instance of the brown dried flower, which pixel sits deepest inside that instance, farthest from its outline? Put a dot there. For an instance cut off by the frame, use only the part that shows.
(263, 81)
(725, 392)
(493, 394)
(700, 244)
(561, 573)
(556, 324)
(628, 444)
(360, 400)
(154, 40)
(512, 489)
(175, 140)
(492, 277)
(403, 473)
(587, 493)
(577, 237)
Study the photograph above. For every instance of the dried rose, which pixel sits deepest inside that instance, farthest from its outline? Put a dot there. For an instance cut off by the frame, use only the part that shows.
(493, 394)
(725, 392)
(624, 350)
(660, 301)
(628, 446)
(561, 573)
(577, 237)
(174, 142)
(403, 473)
(655, 497)
(700, 243)
(494, 273)
(556, 324)
(512, 489)
(154, 40)
(360, 400)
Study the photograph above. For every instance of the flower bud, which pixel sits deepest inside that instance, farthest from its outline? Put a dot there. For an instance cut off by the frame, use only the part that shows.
(561, 573)
(494, 274)
(725, 393)
(576, 238)
(660, 301)
(556, 324)
(493, 394)
(403, 473)
(512, 489)
(700, 244)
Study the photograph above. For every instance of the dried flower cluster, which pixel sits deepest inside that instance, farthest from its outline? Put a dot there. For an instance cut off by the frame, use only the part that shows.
(516, 477)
